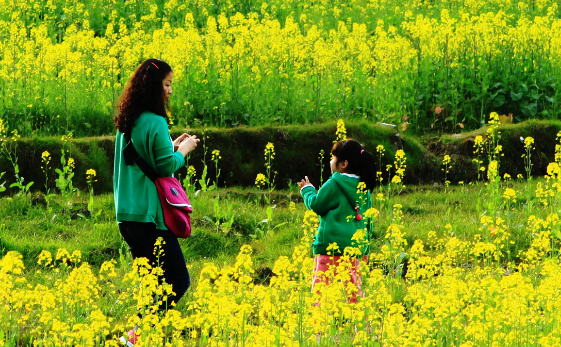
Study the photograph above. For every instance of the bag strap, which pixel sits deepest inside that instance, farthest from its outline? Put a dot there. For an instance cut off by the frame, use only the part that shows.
(131, 157)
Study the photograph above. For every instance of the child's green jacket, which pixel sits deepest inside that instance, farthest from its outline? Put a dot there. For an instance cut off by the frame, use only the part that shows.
(335, 204)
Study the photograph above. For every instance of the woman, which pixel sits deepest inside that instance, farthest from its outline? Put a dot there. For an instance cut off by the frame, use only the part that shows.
(142, 118)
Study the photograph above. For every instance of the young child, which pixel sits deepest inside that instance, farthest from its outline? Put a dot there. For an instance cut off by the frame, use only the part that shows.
(340, 205)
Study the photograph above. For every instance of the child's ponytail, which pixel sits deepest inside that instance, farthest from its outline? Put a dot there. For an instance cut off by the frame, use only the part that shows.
(368, 170)
(360, 162)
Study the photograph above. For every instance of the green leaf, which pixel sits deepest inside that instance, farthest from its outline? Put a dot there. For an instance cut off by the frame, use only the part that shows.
(91, 203)
(535, 95)
(494, 95)
(28, 185)
(530, 110)
(516, 96)
(475, 89)
(550, 100)
(499, 101)
(279, 225)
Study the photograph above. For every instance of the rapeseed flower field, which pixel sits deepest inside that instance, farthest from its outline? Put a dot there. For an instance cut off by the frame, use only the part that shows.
(489, 278)
(459, 292)
(423, 64)
(495, 284)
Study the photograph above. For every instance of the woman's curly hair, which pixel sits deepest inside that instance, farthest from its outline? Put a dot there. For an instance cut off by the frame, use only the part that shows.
(144, 92)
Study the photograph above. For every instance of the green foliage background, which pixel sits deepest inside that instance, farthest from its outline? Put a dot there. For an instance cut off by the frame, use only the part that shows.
(437, 65)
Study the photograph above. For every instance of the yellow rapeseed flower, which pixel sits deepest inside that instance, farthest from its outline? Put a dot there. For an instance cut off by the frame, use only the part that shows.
(216, 155)
(492, 171)
(269, 151)
(361, 188)
(341, 133)
(528, 142)
(509, 194)
(260, 180)
(371, 213)
(191, 171)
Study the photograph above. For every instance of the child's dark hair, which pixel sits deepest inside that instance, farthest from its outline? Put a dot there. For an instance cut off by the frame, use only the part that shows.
(360, 162)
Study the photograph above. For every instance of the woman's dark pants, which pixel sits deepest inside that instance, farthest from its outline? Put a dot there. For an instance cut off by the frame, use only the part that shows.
(141, 238)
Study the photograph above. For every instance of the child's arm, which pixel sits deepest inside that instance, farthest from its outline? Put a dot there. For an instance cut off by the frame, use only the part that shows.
(320, 202)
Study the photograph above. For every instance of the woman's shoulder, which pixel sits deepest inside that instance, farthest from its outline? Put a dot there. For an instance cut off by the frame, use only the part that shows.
(150, 119)
(150, 115)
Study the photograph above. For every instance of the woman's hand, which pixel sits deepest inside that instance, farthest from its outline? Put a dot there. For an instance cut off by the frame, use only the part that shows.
(305, 182)
(188, 145)
(178, 141)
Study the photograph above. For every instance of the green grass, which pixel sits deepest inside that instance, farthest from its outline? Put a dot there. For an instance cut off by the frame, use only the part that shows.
(29, 225)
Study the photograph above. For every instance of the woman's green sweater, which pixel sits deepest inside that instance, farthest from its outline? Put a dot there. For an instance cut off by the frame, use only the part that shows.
(136, 198)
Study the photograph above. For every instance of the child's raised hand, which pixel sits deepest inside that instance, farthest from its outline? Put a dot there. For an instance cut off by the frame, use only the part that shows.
(305, 182)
